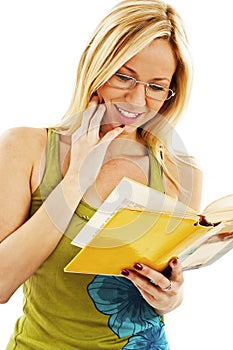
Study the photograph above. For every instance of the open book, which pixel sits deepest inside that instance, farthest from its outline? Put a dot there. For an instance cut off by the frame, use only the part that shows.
(139, 224)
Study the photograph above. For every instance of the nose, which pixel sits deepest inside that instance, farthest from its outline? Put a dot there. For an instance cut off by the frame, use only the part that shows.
(137, 95)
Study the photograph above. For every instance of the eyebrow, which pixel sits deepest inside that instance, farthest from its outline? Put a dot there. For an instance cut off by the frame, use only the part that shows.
(134, 72)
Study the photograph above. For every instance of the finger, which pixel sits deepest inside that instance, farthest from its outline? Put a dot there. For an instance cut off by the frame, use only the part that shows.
(155, 277)
(99, 150)
(109, 136)
(177, 271)
(82, 130)
(152, 293)
(86, 117)
(95, 121)
(94, 107)
(153, 297)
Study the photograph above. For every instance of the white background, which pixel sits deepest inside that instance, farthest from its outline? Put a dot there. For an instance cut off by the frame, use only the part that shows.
(41, 41)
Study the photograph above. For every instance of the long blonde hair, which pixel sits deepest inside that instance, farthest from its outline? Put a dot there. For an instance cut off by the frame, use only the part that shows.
(128, 28)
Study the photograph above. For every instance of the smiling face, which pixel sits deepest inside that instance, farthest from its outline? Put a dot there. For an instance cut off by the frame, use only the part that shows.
(155, 64)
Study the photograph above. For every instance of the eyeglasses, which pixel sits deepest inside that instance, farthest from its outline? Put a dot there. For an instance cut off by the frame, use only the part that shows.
(154, 91)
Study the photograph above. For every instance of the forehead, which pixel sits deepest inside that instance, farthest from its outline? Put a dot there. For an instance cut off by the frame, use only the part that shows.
(157, 60)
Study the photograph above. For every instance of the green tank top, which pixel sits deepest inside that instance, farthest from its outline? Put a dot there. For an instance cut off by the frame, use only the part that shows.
(65, 311)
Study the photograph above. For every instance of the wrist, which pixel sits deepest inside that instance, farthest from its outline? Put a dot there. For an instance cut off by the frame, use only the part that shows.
(62, 202)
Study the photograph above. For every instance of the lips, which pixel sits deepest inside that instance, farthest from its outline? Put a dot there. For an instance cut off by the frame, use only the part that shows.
(128, 116)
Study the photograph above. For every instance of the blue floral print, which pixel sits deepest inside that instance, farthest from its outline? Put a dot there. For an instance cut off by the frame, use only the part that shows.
(129, 312)
(151, 339)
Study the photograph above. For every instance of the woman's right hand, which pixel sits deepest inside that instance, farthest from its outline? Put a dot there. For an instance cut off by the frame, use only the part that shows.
(88, 148)
(20, 157)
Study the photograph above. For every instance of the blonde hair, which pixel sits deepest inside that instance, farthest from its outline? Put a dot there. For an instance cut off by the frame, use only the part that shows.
(129, 27)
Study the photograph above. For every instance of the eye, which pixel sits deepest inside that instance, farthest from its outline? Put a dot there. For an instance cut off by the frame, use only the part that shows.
(123, 77)
(156, 87)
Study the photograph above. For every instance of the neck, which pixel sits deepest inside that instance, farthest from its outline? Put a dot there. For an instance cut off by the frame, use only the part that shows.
(127, 146)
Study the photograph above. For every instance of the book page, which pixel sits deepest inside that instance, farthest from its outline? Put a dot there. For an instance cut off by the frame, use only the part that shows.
(217, 243)
(220, 210)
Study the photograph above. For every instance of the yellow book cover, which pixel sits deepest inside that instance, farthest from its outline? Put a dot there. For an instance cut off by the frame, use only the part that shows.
(139, 224)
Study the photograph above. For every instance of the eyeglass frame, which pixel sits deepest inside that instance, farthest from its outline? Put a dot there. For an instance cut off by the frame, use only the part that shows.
(135, 82)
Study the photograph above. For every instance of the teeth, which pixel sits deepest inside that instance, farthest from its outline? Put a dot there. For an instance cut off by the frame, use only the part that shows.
(128, 114)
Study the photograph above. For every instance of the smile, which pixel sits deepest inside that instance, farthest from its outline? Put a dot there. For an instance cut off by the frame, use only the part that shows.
(128, 114)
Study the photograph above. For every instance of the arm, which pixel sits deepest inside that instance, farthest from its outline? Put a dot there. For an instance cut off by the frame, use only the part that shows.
(26, 244)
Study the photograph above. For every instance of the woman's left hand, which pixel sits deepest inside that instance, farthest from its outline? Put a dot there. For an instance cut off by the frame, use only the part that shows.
(163, 294)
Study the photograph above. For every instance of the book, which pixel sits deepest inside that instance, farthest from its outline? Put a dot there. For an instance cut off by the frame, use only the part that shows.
(139, 224)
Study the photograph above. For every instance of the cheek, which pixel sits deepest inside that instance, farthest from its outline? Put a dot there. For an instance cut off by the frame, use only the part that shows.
(107, 94)
(104, 94)
(156, 106)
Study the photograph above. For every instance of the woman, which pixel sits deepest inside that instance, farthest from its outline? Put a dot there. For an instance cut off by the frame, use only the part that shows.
(133, 83)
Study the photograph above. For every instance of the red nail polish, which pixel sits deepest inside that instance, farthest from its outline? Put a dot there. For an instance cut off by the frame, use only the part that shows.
(138, 266)
(125, 272)
(175, 262)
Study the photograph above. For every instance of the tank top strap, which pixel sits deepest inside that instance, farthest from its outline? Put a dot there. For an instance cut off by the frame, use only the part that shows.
(52, 175)
(156, 175)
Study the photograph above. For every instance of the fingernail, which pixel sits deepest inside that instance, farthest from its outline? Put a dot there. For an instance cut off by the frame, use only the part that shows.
(138, 266)
(175, 262)
(125, 272)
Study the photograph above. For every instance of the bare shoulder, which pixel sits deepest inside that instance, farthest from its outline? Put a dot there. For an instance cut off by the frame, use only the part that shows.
(23, 138)
(22, 150)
